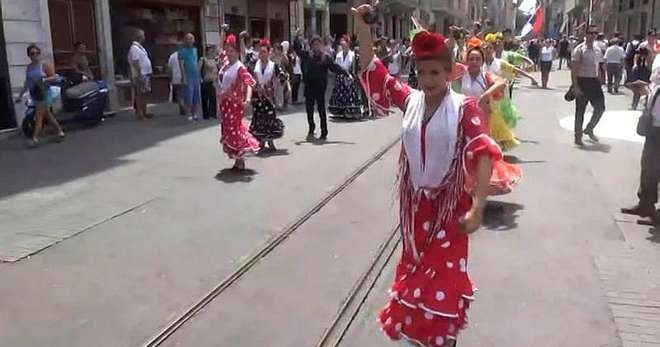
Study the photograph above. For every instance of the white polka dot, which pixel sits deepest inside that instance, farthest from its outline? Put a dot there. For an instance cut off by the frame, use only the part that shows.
(470, 155)
(452, 328)
(446, 244)
(397, 86)
(372, 67)
(468, 139)
(408, 320)
(398, 327)
(439, 295)
(460, 304)
(417, 293)
(428, 315)
(463, 264)
(450, 264)
(388, 321)
(476, 120)
(415, 208)
(439, 340)
(426, 226)
(441, 234)
(376, 96)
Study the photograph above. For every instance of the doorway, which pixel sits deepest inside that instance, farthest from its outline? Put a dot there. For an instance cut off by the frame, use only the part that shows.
(7, 115)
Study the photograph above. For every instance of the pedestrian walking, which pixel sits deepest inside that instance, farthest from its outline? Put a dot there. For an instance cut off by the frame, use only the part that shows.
(444, 145)
(631, 51)
(586, 85)
(547, 56)
(174, 74)
(316, 65)
(601, 45)
(235, 94)
(265, 126)
(296, 76)
(209, 70)
(141, 72)
(564, 51)
(614, 57)
(650, 165)
(190, 76)
(281, 88)
(533, 51)
(38, 75)
(641, 77)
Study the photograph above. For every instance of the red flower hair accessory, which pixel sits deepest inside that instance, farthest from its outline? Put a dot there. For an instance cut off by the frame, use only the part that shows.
(345, 38)
(231, 41)
(426, 44)
(264, 42)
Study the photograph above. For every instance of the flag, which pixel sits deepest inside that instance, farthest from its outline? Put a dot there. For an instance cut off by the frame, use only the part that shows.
(534, 24)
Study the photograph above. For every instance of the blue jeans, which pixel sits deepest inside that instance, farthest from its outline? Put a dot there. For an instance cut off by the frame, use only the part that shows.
(192, 93)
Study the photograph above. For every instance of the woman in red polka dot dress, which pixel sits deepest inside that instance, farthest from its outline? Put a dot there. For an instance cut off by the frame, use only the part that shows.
(444, 171)
(235, 95)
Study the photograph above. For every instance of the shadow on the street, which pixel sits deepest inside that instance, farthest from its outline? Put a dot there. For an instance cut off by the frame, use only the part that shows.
(347, 120)
(533, 142)
(234, 176)
(654, 234)
(276, 153)
(501, 216)
(87, 151)
(512, 159)
(596, 147)
(317, 142)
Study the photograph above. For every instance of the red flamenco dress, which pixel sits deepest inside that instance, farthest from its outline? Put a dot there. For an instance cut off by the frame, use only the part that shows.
(432, 290)
(235, 138)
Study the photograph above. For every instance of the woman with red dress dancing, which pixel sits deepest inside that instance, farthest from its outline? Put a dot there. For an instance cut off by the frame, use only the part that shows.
(234, 95)
(444, 171)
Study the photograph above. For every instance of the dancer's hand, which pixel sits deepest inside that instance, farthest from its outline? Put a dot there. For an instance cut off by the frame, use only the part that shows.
(471, 221)
(361, 10)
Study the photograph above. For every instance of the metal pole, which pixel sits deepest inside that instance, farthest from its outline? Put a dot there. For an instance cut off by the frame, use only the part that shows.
(591, 10)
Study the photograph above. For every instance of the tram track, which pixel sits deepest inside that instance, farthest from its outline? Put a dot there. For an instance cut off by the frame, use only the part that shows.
(270, 245)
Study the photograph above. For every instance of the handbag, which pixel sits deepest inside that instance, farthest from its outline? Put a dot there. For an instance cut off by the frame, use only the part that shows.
(570, 95)
(645, 122)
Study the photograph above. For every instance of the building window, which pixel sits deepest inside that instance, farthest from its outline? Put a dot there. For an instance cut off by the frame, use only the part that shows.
(631, 4)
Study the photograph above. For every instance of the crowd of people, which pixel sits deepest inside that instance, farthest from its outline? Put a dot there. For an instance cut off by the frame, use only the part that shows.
(458, 119)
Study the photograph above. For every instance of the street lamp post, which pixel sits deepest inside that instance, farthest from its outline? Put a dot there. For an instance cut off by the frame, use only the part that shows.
(313, 16)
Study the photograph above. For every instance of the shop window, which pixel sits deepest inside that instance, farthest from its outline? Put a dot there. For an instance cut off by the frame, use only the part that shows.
(277, 30)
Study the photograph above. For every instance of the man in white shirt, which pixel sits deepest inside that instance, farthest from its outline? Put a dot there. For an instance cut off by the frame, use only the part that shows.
(614, 58)
(174, 72)
(141, 72)
(650, 168)
(601, 44)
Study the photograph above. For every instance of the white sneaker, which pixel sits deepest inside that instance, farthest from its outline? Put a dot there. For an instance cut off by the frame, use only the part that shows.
(191, 118)
(195, 118)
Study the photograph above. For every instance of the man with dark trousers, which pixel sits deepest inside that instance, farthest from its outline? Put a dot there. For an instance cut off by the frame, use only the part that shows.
(315, 65)
(585, 75)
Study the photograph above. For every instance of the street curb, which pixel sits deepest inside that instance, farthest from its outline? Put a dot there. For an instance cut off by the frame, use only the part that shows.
(7, 133)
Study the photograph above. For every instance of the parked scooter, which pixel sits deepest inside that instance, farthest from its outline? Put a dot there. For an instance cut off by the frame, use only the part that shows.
(82, 103)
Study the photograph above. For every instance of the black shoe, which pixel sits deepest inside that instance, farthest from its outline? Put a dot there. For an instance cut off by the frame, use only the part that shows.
(640, 210)
(310, 137)
(592, 136)
(578, 142)
(323, 137)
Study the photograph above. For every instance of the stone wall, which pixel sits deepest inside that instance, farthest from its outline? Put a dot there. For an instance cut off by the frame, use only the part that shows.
(25, 22)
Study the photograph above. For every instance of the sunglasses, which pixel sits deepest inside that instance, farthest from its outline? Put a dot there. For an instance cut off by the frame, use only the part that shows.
(33, 53)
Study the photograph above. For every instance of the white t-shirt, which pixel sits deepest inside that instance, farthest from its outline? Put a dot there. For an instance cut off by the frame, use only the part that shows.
(173, 65)
(395, 66)
(137, 52)
(655, 87)
(547, 53)
(297, 70)
(614, 54)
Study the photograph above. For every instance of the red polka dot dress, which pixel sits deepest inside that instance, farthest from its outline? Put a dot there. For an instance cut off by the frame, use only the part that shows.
(235, 138)
(431, 291)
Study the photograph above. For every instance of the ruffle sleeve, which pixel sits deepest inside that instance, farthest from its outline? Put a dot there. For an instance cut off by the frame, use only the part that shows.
(246, 77)
(384, 90)
(477, 142)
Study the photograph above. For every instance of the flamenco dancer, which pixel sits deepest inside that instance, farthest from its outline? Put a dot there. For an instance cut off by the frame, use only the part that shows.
(234, 95)
(345, 101)
(266, 127)
(507, 66)
(489, 89)
(444, 170)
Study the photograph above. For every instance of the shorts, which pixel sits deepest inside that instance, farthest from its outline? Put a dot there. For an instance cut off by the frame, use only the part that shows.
(192, 93)
(142, 83)
(546, 66)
